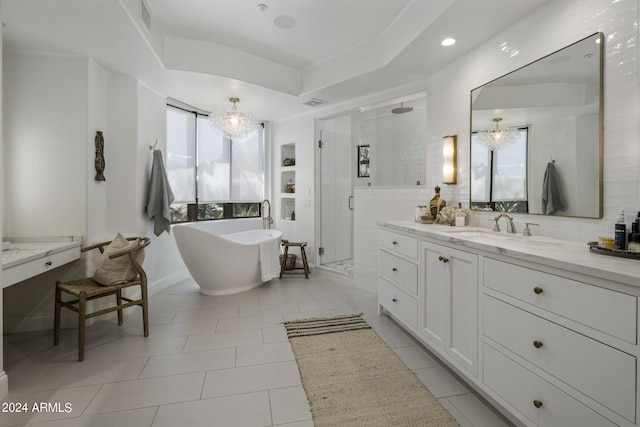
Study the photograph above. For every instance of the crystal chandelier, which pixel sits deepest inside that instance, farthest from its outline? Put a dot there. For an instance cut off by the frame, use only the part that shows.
(233, 123)
(498, 137)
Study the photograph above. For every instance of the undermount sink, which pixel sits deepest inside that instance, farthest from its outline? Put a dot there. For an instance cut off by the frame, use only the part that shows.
(480, 232)
(494, 235)
(486, 235)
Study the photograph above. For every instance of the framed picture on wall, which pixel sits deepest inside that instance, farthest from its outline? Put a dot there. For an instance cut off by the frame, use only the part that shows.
(364, 170)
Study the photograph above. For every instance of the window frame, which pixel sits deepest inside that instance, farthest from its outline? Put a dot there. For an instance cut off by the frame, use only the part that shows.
(229, 208)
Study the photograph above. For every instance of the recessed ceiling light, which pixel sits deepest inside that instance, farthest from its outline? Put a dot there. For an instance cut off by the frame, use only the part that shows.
(448, 41)
(284, 22)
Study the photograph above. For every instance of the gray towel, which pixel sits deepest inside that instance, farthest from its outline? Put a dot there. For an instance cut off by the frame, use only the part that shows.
(160, 196)
(552, 199)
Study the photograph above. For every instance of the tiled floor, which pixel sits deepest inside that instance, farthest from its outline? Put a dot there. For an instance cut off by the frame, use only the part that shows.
(209, 361)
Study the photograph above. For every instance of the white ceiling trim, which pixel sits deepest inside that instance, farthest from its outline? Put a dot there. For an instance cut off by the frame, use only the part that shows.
(218, 60)
(373, 54)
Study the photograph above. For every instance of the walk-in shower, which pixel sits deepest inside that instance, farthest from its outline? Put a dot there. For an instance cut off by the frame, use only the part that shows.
(335, 249)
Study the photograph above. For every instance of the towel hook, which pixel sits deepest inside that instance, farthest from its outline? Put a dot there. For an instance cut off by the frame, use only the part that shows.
(551, 158)
(153, 147)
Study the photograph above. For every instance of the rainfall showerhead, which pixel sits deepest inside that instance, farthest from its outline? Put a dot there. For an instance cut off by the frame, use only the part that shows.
(401, 109)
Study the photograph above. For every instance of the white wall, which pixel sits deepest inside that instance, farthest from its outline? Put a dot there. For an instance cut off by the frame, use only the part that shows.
(96, 190)
(301, 132)
(56, 105)
(163, 263)
(45, 151)
(45, 118)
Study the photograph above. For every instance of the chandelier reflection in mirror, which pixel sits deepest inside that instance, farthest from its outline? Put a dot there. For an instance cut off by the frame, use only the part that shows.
(234, 124)
(498, 137)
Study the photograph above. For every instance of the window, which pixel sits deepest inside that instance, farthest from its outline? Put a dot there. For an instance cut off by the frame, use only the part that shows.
(500, 176)
(212, 177)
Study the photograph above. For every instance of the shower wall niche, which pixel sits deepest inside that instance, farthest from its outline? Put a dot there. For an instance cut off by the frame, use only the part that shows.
(288, 181)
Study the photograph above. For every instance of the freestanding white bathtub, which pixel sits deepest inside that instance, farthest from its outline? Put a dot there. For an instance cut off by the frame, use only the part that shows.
(224, 264)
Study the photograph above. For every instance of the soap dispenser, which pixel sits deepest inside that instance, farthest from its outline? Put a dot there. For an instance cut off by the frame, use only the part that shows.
(461, 218)
(620, 232)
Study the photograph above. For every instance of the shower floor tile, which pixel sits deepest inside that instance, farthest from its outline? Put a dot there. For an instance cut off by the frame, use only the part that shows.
(344, 266)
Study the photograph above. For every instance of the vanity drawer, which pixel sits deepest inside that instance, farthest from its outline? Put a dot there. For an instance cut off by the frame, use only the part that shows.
(611, 312)
(399, 272)
(398, 302)
(404, 245)
(597, 370)
(20, 272)
(525, 391)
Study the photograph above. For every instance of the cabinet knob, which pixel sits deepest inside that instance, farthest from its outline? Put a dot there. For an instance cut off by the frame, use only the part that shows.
(537, 290)
(395, 300)
(394, 269)
(537, 344)
(394, 243)
(48, 263)
(443, 259)
(537, 403)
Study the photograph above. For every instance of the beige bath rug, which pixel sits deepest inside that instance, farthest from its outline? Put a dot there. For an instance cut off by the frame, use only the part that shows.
(352, 378)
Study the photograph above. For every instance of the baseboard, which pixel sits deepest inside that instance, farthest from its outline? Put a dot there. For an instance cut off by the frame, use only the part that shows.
(333, 274)
(160, 285)
(40, 322)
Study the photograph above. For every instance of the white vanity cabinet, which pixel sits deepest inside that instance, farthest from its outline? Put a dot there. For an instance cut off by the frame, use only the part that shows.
(398, 276)
(544, 329)
(566, 340)
(449, 315)
(27, 257)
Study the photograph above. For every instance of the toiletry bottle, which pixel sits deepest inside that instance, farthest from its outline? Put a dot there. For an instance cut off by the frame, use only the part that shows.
(620, 232)
(633, 244)
(460, 216)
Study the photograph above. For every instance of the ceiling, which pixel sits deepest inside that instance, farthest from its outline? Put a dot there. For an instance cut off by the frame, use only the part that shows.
(202, 52)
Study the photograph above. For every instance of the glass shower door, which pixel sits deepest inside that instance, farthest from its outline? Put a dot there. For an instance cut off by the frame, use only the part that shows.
(336, 199)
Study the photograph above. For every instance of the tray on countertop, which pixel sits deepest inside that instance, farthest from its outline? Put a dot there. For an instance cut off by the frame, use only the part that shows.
(593, 246)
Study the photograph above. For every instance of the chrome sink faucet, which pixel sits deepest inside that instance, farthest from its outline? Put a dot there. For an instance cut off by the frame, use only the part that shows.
(266, 221)
(511, 228)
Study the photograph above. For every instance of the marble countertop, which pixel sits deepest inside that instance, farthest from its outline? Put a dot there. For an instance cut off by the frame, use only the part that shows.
(563, 254)
(23, 250)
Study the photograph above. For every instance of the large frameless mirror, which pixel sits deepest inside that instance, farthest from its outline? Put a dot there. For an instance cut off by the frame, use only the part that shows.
(536, 136)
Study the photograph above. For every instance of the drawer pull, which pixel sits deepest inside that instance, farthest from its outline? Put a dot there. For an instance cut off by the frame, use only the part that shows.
(394, 243)
(443, 259)
(537, 290)
(537, 344)
(48, 263)
(395, 300)
(537, 403)
(394, 269)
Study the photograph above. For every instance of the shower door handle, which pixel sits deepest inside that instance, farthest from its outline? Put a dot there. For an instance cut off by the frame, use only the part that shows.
(350, 205)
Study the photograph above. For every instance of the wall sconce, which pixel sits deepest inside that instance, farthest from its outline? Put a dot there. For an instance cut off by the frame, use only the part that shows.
(449, 159)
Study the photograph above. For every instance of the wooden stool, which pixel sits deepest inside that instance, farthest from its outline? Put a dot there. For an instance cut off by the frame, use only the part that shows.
(305, 266)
